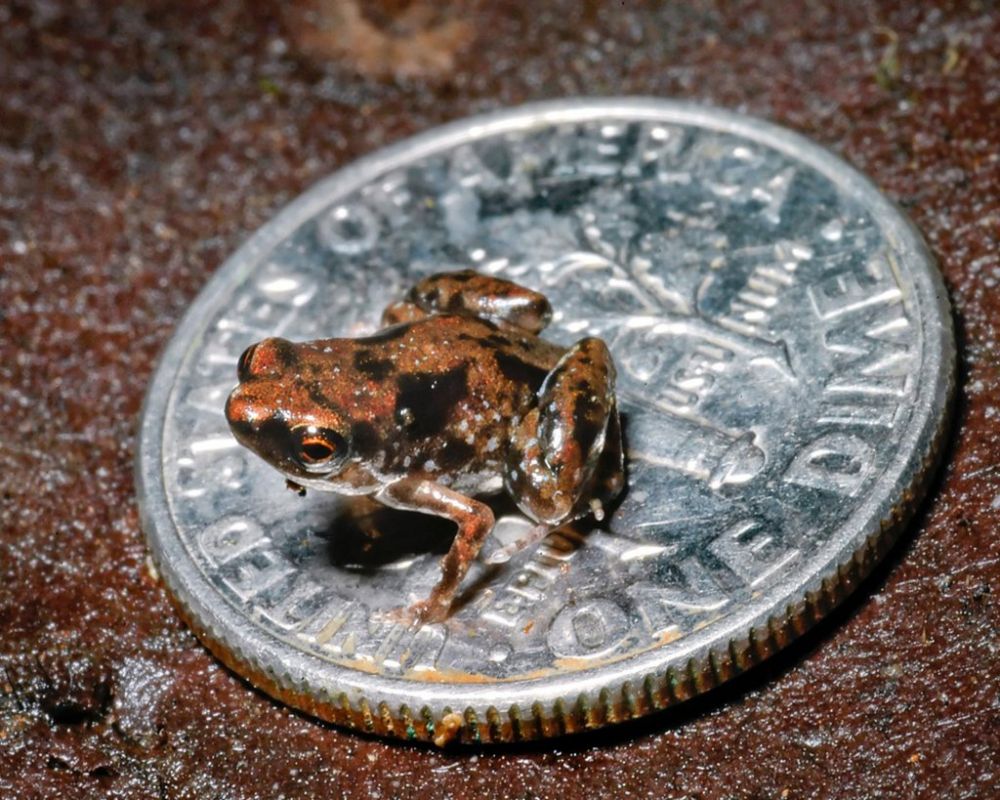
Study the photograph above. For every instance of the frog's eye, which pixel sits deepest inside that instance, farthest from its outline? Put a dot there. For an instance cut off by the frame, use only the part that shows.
(318, 448)
(267, 357)
(314, 450)
(243, 366)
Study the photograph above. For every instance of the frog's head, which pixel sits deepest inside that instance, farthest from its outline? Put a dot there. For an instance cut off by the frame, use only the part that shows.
(274, 413)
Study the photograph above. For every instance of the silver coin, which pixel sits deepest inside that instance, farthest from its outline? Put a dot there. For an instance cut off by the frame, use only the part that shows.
(786, 359)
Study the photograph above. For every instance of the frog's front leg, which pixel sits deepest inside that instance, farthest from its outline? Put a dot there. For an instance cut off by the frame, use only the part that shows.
(560, 444)
(474, 520)
(468, 292)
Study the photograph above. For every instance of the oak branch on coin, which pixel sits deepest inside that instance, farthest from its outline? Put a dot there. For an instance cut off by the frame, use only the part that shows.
(455, 398)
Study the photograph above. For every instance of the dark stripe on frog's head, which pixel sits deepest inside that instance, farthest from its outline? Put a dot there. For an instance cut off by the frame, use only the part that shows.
(268, 438)
(316, 394)
(519, 370)
(372, 365)
(430, 396)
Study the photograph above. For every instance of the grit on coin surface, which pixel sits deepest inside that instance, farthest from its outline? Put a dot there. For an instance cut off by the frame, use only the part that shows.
(785, 357)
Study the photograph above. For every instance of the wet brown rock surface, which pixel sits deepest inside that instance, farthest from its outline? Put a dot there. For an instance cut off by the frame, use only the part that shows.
(141, 142)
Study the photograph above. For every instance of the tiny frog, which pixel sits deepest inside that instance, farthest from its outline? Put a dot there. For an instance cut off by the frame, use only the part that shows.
(456, 397)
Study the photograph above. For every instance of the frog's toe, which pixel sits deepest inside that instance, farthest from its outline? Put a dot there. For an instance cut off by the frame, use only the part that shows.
(427, 612)
(423, 612)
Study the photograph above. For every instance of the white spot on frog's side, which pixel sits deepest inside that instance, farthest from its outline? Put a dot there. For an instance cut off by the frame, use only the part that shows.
(463, 425)
(996, 502)
(407, 461)
(491, 444)
(430, 465)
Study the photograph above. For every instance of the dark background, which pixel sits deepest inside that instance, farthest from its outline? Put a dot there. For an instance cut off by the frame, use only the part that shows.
(141, 142)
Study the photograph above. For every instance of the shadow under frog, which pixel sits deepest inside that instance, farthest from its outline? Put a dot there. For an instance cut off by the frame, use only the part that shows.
(365, 537)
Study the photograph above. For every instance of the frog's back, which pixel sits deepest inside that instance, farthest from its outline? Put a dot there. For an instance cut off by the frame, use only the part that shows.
(441, 392)
(494, 358)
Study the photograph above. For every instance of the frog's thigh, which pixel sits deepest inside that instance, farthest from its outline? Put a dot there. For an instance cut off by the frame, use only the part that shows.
(558, 445)
(468, 292)
(474, 520)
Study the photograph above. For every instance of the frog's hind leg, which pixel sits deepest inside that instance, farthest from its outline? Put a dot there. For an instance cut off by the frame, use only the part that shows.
(475, 521)
(557, 449)
(467, 292)
(606, 484)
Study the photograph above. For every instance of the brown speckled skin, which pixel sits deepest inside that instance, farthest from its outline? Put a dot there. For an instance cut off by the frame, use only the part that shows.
(142, 142)
(455, 397)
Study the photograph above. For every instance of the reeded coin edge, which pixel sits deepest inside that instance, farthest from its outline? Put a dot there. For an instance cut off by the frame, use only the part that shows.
(599, 702)
(630, 700)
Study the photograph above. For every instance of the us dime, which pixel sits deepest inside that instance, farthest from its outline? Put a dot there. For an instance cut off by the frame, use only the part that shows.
(785, 356)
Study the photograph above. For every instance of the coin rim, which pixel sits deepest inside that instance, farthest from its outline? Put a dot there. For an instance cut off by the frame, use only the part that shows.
(528, 709)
